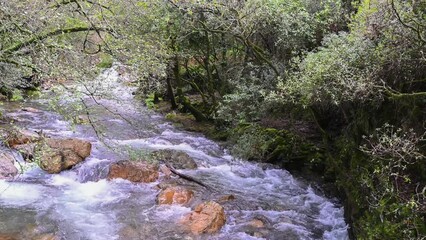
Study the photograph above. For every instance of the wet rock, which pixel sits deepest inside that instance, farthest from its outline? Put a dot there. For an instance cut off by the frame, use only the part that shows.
(166, 171)
(129, 233)
(82, 119)
(31, 110)
(46, 236)
(51, 160)
(208, 217)
(21, 136)
(175, 195)
(27, 150)
(257, 223)
(81, 147)
(7, 167)
(226, 198)
(8, 236)
(178, 159)
(134, 171)
(56, 155)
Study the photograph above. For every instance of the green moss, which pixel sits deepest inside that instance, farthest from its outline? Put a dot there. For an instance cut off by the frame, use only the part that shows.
(33, 93)
(16, 95)
(106, 61)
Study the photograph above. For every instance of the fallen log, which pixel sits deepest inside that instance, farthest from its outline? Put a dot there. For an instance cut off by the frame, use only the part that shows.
(186, 177)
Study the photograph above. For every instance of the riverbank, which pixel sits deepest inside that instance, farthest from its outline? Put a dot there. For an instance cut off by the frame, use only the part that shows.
(299, 151)
(261, 202)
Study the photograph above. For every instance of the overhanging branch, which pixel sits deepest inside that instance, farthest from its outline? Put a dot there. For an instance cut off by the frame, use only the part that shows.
(18, 46)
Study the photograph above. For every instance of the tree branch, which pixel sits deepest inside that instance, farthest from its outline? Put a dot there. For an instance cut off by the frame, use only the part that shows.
(18, 46)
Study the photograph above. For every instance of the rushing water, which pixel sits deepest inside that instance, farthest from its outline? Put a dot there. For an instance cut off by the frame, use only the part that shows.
(82, 204)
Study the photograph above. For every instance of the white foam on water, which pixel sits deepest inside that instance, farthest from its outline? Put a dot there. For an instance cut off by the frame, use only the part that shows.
(167, 212)
(299, 230)
(21, 194)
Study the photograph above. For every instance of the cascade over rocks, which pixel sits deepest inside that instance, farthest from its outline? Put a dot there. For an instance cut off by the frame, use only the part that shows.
(178, 159)
(54, 154)
(7, 167)
(134, 171)
(175, 195)
(208, 217)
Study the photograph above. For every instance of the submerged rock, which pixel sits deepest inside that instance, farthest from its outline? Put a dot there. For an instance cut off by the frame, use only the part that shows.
(134, 171)
(7, 167)
(31, 110)
(178, 159)
(226, 198)
(175, 195)
(257, 223)
(208, 217)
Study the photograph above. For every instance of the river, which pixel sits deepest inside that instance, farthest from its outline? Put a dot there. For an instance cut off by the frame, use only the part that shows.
(81, 204)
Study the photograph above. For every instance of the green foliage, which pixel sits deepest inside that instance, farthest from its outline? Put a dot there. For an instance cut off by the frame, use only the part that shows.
(396, 198)
(17, 95)
(106, 61)
(340, 71)
(150, 100)
(274, 146)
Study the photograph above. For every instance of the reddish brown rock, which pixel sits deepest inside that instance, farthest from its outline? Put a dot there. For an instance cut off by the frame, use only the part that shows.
(80, 147)
(175, 195)
(7, 167)
(30, 109)
(56, 155)
(8, 237)
(134, 171)
(226, 198)
(257, 223)
(208, 217)
(21, 136)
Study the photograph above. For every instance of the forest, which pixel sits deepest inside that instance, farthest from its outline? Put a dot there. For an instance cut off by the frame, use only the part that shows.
(334, 89)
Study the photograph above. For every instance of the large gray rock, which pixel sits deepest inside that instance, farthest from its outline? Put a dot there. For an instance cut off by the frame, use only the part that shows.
(7, 167)
(178, 159)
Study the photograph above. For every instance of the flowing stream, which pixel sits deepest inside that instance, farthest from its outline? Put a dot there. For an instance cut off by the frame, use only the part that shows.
(81, 204)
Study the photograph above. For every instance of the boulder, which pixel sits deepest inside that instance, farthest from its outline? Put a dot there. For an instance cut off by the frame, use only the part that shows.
(51, 160)
(81, 147)
(134, 171)
(7, 167)
(208, 217)
(178, 159)
(256, 223)
(27, 150)
(21, 136)
(56, 155)
(175, 195)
